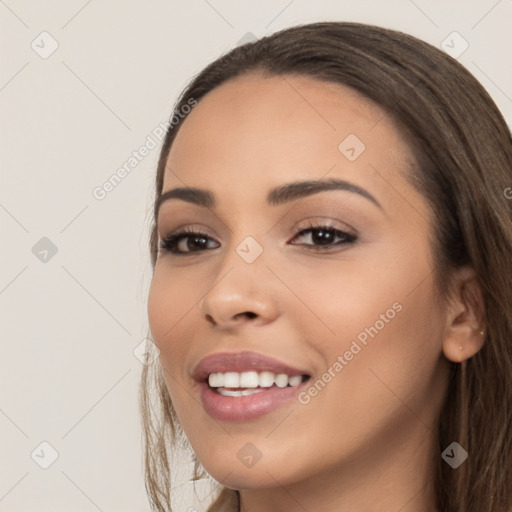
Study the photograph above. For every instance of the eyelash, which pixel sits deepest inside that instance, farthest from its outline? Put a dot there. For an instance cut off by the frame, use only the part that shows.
(170, 242)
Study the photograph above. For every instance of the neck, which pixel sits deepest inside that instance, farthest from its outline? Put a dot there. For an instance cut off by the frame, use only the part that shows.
(397, 476)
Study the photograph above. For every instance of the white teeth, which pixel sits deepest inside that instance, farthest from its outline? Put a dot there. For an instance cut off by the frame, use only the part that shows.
(295, 380)
(216, 380)
(282, 380)
(252, 380)
(249, 380)
(243, 392)
(231, 380)
(266, 379)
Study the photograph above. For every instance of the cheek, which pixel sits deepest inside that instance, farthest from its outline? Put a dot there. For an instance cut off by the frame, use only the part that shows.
(172, 316)
(380, 315)
(379, 287)
(338, 300)
(157, 310)
(164, 313)
(169, 301)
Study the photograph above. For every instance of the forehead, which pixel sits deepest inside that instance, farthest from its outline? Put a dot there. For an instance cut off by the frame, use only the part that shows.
(259, 105)
(256, 131)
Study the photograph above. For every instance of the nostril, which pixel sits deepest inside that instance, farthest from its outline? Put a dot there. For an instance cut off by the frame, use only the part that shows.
(210, 319)
(249, 314)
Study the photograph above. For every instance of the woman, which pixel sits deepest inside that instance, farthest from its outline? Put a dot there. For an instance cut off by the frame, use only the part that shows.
(331, 291)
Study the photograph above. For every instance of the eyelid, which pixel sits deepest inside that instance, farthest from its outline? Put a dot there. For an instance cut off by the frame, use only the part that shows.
(348, 237)
(325, 221)
(164, 233)
(304, 223)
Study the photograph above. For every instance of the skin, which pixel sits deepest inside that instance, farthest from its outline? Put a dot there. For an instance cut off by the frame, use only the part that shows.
(367, 441)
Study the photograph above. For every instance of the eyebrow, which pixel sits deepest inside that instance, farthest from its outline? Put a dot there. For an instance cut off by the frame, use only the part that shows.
(276, 196)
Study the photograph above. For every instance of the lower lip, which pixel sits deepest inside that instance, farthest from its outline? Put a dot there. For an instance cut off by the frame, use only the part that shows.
(243, 408)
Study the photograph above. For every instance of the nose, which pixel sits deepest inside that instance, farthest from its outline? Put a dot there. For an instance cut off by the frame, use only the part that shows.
(242, 293)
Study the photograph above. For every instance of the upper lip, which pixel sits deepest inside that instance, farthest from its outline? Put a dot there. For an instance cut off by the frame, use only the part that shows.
(222, 362)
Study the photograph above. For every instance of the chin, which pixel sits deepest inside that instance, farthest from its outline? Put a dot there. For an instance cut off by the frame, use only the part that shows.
(246, 480)
(238, 476)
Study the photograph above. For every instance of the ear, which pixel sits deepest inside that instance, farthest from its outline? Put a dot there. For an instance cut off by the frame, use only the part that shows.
(465, 319)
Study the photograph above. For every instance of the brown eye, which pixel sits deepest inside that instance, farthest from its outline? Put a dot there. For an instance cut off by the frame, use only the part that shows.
(323, 237)
(175, 243)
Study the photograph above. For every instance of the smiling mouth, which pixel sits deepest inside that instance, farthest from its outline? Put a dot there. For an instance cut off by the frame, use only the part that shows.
(236, 384)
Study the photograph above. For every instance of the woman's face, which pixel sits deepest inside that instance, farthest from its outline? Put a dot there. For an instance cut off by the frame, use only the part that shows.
(352, 305)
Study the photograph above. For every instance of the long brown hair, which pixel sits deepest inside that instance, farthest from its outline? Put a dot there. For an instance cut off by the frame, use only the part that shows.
(463, 151)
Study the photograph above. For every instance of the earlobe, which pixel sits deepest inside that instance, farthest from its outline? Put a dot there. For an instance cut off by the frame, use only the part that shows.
(465, 320)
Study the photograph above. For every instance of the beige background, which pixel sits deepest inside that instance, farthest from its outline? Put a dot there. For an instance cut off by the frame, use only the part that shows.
(71, 322)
